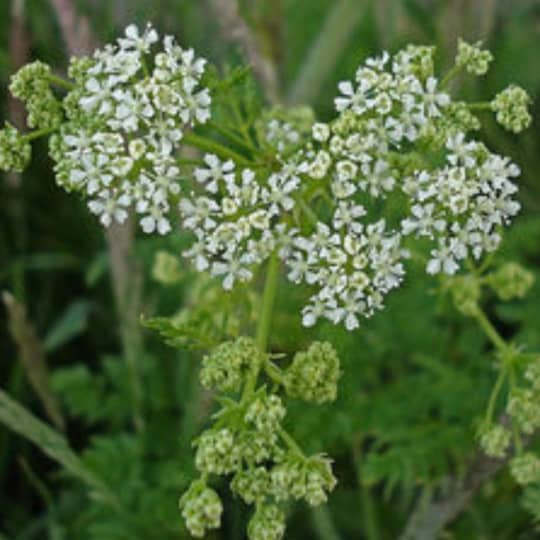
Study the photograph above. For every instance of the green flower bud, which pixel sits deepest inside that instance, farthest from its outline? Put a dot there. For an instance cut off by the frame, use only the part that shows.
(251, 484)
(314, 374)
(466, 294)
(227, 365)
(524, 407)
(532, 374)
(473, 58)
(525, 468)
(31, 85)
(15, 150)
(511, 108)
(217, 452)
(266, 413)
(257, 446)
(495, 440)
(511, 281)
(201, 508)
(303, 478)
(268, 523)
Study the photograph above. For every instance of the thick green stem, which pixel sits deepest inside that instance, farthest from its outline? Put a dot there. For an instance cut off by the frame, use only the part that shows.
(265, 319)
(269, 296)
(490, 330)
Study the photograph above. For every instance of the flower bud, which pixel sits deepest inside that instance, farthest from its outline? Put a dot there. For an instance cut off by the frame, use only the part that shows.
(495, 441)
(15, 151)
(314, 374)
(268, 523)
(511, 108)
(511, 281)
(472, 58)
(226, 366)
(525, 468)
(201, 508)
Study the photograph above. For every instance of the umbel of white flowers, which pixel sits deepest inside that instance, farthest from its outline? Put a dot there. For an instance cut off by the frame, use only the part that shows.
(398, 141)
(119, 126)
(397, 135)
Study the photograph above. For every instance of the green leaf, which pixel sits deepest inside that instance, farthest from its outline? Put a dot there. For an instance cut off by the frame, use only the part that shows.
(54, 445)
(71, 323)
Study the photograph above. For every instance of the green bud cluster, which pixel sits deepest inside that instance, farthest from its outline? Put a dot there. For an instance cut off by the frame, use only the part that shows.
(473, 58)
(31, 84)
(524, 408)
(226, 367)
(466, 294)
(251, 484)
(532, 374)
(268, 523)
(512, 108)
(495, 441)
(201, 508)
(248, 441)
(525, 468)
(314, 374)
(217, 452)
(266, 413)
(302, 478)
(511, 281)
(15, 150)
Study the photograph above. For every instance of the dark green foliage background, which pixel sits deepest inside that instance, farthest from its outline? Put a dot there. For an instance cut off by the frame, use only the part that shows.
(416, 377)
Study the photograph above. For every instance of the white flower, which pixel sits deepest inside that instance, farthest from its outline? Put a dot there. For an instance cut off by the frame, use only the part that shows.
(216, 172)
(134, 40)
(110, 207)
(320, 132)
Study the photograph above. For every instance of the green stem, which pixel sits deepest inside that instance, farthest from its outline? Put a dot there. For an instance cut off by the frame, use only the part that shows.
(58, 81)
(274, 373)
(240, 141)
(450, 75)
(494, 395)
(263, 328)
(269, 295)
(490, 330)
(211, 146)
(39, 133)
(480, 106)
(310, 214)
(290, 442)
(325, 528)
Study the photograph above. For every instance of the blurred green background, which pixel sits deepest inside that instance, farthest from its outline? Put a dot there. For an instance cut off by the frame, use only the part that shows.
(413, 385)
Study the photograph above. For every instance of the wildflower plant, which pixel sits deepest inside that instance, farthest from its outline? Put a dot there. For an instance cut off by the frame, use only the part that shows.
(340, 207)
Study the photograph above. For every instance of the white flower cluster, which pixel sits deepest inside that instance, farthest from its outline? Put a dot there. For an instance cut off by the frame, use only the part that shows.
(127, 115)
(352, 267)
(397, 135)
(236, 221)
(356, 260)
(462, 204)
